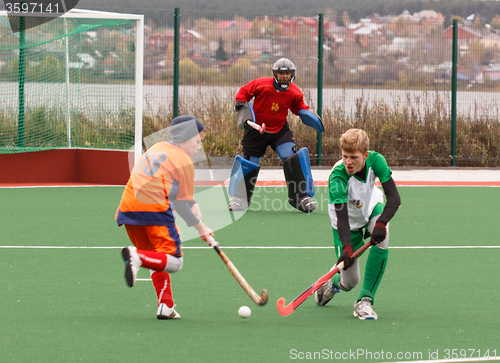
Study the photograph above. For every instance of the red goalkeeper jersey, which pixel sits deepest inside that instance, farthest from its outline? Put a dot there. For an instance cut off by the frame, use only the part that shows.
(270, 106)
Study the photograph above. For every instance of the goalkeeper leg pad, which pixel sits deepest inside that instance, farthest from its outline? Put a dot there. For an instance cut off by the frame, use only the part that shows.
(244, 175)
(299, 181)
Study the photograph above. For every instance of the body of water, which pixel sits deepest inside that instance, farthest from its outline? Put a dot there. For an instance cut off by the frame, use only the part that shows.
(100, 98)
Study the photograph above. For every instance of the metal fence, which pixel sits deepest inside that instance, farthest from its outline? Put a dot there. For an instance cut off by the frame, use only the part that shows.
(391, 76)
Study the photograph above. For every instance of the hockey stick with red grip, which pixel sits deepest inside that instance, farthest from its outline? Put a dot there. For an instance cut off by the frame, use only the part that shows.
(259, 300)
(256, 126)
(288, 309)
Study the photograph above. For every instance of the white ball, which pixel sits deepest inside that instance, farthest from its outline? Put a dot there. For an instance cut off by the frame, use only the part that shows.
(244, 312)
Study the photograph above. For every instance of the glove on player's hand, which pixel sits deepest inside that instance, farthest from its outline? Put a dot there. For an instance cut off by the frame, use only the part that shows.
(379, 233)
(243, 115)
(346, 257)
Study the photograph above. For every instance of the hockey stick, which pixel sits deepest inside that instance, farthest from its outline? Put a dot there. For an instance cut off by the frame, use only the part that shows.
(259, 300)
(257, 127)
(288, 309)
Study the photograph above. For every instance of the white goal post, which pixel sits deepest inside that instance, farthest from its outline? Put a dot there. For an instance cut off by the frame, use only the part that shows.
(139, 61)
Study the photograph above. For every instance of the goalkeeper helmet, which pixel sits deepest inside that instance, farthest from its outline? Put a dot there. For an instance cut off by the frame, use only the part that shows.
(281, 66)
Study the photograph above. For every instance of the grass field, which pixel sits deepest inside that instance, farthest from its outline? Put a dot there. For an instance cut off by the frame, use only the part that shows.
(64, 298)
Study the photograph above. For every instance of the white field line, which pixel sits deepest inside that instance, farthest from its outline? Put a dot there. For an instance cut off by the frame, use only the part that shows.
(485, 359)
(246, 247)
(256, 247)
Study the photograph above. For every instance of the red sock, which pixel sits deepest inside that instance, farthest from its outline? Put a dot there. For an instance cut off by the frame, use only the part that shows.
(153, 260)
(161, 281)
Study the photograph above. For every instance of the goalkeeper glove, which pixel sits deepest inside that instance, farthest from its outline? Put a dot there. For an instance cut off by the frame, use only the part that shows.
(243, 117)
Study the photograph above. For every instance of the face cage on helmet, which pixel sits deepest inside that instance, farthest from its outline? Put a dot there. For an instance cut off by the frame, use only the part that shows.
(281, 84)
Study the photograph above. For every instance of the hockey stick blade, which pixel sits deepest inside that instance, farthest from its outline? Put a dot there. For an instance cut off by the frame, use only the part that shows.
(259, 300)
(286, 310)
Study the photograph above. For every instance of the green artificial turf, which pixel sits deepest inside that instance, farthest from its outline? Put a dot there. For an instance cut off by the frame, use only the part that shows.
(72, 304)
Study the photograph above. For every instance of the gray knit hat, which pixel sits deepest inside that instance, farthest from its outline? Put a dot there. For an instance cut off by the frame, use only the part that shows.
(184, 128)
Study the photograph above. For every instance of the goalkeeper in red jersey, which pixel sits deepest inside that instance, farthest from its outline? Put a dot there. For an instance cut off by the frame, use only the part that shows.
(272, 98)
(161, 181)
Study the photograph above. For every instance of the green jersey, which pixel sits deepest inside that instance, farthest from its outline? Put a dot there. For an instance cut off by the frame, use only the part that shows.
(361, 195)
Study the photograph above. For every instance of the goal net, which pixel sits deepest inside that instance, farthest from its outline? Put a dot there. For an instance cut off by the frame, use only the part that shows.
(74, 81)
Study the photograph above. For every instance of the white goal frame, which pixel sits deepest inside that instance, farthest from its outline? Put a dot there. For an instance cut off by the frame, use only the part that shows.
(139, 61)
